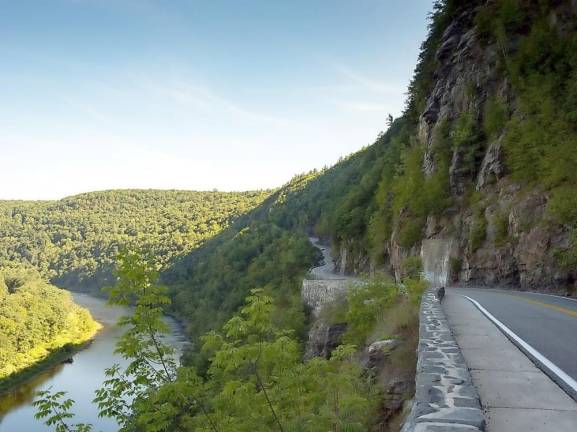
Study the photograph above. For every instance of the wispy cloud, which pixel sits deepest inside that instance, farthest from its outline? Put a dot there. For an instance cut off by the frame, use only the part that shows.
(369, 83)
(204, 99)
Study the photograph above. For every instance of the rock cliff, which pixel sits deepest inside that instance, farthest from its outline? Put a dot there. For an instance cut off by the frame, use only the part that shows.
(499, 224)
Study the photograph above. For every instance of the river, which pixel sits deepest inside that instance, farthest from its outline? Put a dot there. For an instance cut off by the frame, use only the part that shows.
(79, 379)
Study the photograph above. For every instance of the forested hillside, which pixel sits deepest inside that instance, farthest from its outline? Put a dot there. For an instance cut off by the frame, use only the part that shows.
(74, 241)
(483, 156)
(36, 319)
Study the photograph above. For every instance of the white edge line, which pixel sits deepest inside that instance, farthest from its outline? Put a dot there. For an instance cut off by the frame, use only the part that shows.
(553, 368)
(499, 290)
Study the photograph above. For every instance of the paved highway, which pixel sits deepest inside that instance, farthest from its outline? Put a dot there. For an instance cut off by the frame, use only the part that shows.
(547, 323)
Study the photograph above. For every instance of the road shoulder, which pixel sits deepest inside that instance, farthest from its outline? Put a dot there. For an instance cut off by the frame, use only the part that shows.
(515, 394)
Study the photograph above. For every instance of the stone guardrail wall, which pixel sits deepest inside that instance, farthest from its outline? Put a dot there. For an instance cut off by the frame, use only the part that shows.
(445, 398)
(316, 292)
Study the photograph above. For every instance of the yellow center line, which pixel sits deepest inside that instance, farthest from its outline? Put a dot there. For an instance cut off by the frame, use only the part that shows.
(563, 310)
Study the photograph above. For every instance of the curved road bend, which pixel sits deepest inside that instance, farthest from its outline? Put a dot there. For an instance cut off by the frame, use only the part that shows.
(327, 269)
(516, 395)
(547, 323)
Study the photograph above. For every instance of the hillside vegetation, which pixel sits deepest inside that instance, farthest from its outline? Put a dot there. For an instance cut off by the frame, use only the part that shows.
(36, 319)
(486, 94)
(74, 241)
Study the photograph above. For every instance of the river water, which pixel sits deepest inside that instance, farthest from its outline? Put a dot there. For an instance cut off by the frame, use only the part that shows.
(79, 379)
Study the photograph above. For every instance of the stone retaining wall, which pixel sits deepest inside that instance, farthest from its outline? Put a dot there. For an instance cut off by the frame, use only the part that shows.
(445, 398)
(316, 293)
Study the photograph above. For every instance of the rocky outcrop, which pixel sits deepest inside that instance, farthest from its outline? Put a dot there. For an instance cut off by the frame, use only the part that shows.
(351, 260)
(515, 245)
(377, 352)
(493, 166)
(323, 339)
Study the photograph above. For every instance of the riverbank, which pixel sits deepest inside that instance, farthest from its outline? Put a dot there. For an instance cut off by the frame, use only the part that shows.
(53, 358)
(80, 379)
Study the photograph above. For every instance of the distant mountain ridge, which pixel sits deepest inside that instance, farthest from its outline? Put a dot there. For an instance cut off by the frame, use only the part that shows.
(74, 241)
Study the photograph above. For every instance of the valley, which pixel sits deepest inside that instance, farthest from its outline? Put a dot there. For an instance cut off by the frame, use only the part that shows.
(334, 301)
(80, 378)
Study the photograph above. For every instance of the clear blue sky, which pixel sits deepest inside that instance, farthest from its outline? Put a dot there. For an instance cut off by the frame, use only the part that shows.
(234, 95)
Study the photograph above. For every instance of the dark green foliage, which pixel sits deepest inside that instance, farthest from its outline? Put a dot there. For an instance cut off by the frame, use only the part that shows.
(411, 231)
(478, 230)
(437, 185)
(495, 117)
(467, 142)
(415, 196)
(210, 284)
(562, 206)
(541, 136)
(455, 266)
(496, 20)
(74, 241)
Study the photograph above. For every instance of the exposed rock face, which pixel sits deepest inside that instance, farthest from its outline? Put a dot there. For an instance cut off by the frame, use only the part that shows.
(519, 248)
(493, 166)
(377, 352)
(351, 260)
(394, 399)
(323, 339)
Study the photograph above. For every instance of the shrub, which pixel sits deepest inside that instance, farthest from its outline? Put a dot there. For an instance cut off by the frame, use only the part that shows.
(412, 267)
(411, 232)
(494, 117)
(501, 224)
(466, 140)
(368, 304)
(335, 312)
(415, 288)
(478, 232)
(455, 266)
(484, 22)
(437, 189)
(562, 206)
(511, 15)
(567, 259)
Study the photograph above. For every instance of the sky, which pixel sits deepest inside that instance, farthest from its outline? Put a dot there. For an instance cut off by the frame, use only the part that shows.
(187, 94)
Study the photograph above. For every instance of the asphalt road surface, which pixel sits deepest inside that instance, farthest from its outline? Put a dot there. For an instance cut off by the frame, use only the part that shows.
(547, 323)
